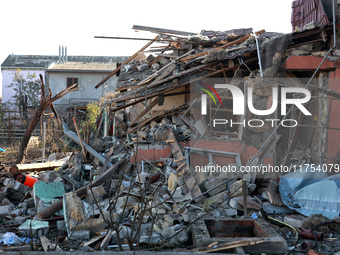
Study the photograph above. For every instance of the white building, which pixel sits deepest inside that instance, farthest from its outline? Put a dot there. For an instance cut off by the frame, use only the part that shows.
(37, 64)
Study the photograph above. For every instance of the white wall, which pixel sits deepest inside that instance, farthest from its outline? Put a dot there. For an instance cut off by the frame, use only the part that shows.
(86, 91)
(8, 78)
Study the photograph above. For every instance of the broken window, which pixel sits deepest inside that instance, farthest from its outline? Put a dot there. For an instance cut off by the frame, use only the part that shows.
(70, 81)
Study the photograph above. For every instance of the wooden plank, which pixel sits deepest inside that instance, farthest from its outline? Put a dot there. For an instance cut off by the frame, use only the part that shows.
(106, 240)
(92, 241)
(233, 244)
(141, 39)
(187, 175)
(166, 72)
(124, 63)
(51, 165)
(47, 245)
(145, 111)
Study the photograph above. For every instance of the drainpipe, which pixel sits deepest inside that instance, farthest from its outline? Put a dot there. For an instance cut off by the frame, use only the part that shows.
(258, 54)
(334, 29)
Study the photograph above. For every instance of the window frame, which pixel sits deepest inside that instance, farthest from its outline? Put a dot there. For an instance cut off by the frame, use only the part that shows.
(72, 79)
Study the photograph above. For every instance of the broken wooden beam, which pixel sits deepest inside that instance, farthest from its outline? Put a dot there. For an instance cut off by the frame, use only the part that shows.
(230, 245)
(162, 30)
(51, 165)
(145, 111)
(124, 63)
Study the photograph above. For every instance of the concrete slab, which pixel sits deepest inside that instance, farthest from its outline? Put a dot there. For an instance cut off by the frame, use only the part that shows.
(38, 228)
(45, 194)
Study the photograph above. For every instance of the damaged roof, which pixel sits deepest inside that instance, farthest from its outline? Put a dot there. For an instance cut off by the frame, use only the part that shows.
(305, 12)
(43, 61)
(83, 67)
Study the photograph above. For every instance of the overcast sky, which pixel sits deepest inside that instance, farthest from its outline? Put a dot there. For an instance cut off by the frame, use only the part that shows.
(38, 27)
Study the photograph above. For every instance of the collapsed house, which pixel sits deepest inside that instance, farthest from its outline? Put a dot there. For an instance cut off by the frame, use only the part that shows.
(167, 173)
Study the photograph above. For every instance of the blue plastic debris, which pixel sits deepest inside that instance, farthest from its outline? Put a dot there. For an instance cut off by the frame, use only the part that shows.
(255, 216)
(11, 238)
(2, 150)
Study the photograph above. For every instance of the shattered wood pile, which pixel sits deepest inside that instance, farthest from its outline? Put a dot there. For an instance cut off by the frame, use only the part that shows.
(137, 188)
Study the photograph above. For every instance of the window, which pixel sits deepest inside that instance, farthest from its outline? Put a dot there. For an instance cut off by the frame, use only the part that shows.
(71, 81)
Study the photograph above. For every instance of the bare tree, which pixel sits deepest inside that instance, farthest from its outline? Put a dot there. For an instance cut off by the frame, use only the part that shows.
(44, 103)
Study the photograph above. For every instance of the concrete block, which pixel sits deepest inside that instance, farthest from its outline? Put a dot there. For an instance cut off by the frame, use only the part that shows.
(36, 227)
(123, 233)
(183, 236)
(98, 192)
(222, 198)
(235, 204)
(155, 238)
(45, 194)
(29, 202)
(142, 67)
(168, 232)
(80, 235)
(5, 210)
(7, 202)
(14, 195)
(236, 189)
(169, 218)
(295, 220)
(61, 225)
(18, 212)
(213, 183)
(165, 224)
(131, 200)
(9, 183)
(31, 212)
(75, 218)
(159, 211)
(270, 208)
(24, 206)
(230, 212)
(3, 195)
(156, 66)
(19, 220)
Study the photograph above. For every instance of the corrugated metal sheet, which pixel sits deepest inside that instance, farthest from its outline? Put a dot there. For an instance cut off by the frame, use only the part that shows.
(225, 35)
(307, 11)
(311, 192)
